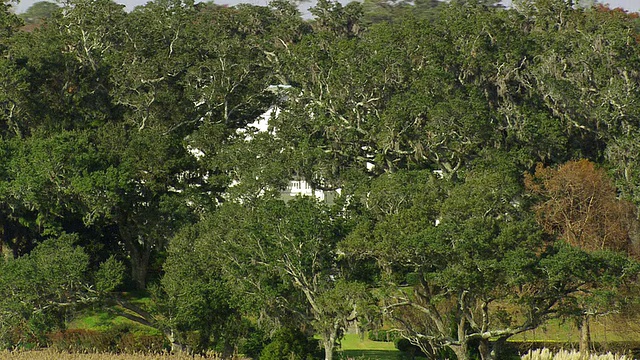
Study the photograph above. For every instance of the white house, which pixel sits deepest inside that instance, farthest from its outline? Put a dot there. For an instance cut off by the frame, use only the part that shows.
(300, 187)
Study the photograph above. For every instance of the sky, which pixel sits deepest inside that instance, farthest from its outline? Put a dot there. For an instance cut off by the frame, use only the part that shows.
(630, 5)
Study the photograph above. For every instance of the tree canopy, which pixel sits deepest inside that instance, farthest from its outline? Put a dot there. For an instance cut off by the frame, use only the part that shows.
(483, 160)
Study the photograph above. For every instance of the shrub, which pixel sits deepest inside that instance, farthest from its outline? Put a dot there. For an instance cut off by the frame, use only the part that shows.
(118, 339)
(411, 351)
(79, 340)
(289, 344)
(135, 343)
(253, 342)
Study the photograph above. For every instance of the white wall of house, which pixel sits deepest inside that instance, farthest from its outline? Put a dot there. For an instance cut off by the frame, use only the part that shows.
(301, 187)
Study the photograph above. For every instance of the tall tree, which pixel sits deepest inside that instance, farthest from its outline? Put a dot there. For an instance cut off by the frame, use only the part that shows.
(40, 288)
(579, 204)
(475, 262)
(282, 257)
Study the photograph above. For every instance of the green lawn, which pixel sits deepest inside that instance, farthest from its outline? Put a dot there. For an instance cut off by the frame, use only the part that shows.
(354, 342)
(97, 320)
(355, 348)
(102, 320)
(369, 355)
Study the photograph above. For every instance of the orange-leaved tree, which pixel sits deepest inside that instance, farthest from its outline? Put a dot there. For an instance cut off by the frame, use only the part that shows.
(579, 204)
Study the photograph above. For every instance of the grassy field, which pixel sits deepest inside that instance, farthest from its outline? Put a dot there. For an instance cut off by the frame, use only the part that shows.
(102, 321)
(353, 347)
(603, 329)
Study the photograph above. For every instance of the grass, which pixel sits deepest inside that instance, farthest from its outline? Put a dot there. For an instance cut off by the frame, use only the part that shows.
(101, 320)
(369, 355)
(364, 355)
(604, 329)
(354, 342)
(354, 347)
(97, 320)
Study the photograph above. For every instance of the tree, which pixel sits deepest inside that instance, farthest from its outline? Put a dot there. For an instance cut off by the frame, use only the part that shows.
(468, 267)
(55, 102)
(38, 289)
(160, 89)
(186, 84)
(11, 78)
(388, 11)
(282, 258)
(422, 94)
(195, 298)
(579, 204)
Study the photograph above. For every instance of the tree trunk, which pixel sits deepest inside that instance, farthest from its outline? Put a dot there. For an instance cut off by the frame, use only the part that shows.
(3, 241)
(485, 350)
(460, 350)
(585, 336)
(139, 267)
(328, 348)
(329, 338)
(139, 255)
(498, 348)
(176, 347)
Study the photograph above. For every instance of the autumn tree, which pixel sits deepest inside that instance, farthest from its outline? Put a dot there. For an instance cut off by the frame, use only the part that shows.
(579, 205)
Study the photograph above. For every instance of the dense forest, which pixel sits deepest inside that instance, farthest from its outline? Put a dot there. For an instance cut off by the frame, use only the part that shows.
(485, 157)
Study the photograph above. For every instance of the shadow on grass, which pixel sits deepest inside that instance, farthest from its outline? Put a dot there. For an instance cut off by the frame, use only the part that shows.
(374, 355)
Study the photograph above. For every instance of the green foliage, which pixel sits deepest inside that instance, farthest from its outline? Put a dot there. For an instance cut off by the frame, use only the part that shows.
(135, 131)
(37, 289)
(289, 343)
(280, 260)
(194, 298)
(478, 245)
(110, 275)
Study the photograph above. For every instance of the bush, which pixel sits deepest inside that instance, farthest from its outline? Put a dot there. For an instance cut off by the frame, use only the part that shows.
(118, 339)
(135, 343)
(289, 344)
(406, 347)
(79, 340)
(18, 336)
(253, 342)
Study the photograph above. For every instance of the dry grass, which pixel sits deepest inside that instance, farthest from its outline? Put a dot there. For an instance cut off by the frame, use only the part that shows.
(546, 354)
(54, 355)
